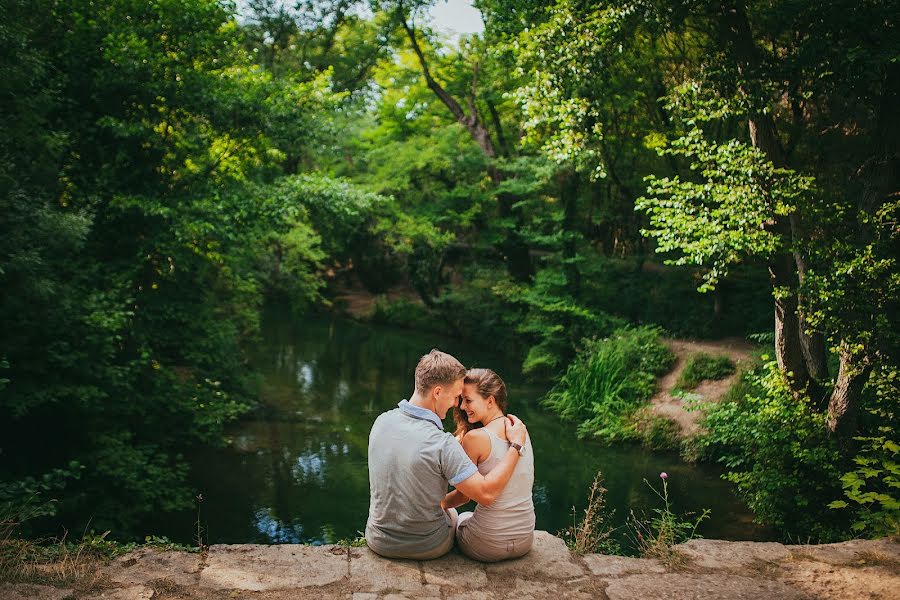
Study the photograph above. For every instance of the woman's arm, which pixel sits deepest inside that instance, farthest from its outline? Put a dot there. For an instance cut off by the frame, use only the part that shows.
(454, 499)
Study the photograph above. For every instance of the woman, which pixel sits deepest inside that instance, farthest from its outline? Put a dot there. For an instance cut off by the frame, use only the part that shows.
(505, 529)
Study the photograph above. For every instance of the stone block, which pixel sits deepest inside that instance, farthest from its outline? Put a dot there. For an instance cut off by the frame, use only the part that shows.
(259, 568)
(852, 552)
(372, 573)
(602, 565)
(134, 592)
(685, 586)
(148, 564)
(549, 558)
(27, 591)
(456, 571)
(718, 554)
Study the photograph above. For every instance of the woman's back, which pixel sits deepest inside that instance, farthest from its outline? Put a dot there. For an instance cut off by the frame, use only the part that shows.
(512, 513)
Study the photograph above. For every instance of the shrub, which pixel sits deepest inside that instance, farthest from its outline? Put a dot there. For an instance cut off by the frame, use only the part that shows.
(655, 432)
(703, 367)
(778, 453)
(609, 380)
(406, 313)
(871, 487)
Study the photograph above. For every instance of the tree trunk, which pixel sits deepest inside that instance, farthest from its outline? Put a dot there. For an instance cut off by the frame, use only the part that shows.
(842, 408)
(738, 39)
(812, 342)
(788, 352)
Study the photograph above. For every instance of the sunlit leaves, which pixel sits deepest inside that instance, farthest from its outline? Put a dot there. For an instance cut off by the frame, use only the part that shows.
(724, 216)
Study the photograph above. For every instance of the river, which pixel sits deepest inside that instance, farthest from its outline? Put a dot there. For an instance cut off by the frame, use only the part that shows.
(296, 471)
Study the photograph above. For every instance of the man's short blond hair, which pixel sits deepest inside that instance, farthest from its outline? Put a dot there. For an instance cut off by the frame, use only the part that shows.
(437, 368)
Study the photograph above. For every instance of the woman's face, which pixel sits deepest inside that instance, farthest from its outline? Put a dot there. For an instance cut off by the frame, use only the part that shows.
(476, 406)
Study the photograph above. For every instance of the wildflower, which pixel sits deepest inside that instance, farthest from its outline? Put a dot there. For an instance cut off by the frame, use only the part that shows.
(664, 475)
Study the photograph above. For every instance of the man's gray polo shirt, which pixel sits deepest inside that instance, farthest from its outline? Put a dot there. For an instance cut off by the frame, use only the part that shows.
(411, 461)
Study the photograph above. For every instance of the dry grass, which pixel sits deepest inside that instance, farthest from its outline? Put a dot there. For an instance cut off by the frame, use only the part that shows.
(873, 558)
(59, 564)
(593, 533)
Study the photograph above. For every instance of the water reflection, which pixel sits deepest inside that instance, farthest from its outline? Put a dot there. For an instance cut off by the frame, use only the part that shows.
(298, 473)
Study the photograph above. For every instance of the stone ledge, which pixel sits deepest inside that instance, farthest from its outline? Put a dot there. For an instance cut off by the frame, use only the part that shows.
(712, 569)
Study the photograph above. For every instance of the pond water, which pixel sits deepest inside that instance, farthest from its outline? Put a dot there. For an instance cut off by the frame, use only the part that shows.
(297, 471)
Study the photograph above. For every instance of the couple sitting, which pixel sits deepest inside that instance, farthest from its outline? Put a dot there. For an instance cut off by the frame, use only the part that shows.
(412, 460)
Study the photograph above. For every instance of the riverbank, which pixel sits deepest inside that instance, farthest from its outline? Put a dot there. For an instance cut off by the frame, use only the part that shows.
(708, 569)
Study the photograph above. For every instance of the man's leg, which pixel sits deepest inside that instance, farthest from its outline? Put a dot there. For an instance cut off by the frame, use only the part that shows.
(444, 548)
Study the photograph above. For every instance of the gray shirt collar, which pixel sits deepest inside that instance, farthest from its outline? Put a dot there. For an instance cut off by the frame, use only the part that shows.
(417, 412)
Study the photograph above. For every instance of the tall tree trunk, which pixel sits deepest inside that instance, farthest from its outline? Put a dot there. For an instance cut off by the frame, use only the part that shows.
(738, 39)
(812, 342)
(788, 351)
(514, 248)
(842, 408)
(881, 182)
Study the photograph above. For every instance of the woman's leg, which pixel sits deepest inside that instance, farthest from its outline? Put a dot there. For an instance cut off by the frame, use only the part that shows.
(486, 549)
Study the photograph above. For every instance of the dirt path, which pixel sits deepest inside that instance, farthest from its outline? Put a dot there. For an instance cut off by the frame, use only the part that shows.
(668, 406)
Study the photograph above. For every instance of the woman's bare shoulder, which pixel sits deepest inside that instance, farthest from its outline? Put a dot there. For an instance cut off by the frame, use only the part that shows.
(476, 439)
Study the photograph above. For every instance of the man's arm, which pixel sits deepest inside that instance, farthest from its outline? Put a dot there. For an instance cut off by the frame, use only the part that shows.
(484, 489)
(477, 445)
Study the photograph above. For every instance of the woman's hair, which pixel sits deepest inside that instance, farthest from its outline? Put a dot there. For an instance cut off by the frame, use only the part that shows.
(487, 383)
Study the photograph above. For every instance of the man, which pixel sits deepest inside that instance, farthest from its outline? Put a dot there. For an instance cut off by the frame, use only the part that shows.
(412, 460)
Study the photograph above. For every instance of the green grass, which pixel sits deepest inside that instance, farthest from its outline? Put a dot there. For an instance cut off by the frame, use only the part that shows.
(609, 380)
(702, 367)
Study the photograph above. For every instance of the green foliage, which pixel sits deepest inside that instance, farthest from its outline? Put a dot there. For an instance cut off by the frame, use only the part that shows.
(703, 367)
(655, 432)
(720, 220)
(872, 486)
(27, 498)
(137, 238)
(406, 313)
(609, 380)
(779, 455)
(553, 320)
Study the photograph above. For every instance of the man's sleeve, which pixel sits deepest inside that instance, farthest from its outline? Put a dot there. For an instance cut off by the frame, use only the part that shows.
(456, 465)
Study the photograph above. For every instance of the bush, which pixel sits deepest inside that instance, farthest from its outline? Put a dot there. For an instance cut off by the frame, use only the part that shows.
(655, 432)
(609, 380)
(871, 485)
(703, 367)
(779, 455)
(406, 313)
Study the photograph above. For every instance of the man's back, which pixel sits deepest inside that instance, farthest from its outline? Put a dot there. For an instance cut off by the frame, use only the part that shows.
(411, 461)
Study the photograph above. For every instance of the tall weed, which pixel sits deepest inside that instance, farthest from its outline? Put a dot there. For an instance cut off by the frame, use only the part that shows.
(593, 533)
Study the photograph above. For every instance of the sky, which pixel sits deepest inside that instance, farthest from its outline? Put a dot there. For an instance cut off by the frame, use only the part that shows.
(455, 17)
(451, 17)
